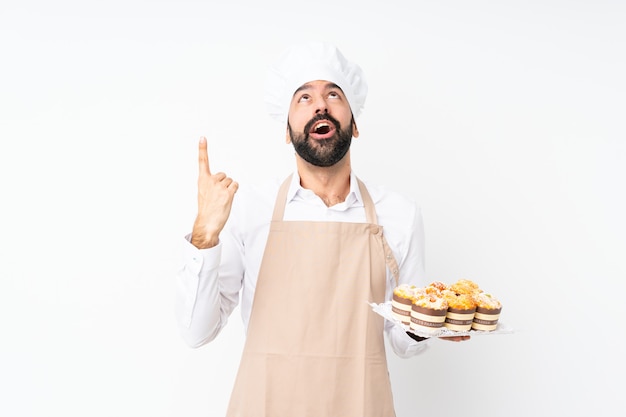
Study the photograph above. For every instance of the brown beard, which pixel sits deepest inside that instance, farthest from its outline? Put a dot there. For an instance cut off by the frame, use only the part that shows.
(325, 152)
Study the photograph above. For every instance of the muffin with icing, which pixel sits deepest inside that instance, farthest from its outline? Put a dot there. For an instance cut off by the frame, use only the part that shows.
(461, 310)
(401, 302)
(428, 312)
(488, 310)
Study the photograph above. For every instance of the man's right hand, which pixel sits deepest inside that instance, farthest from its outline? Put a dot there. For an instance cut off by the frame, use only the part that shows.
(215, 199)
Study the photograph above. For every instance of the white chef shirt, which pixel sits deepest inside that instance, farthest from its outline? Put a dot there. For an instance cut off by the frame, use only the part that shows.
(211, 281)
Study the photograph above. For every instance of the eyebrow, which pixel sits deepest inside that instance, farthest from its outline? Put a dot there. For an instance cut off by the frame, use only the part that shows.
(307, 86)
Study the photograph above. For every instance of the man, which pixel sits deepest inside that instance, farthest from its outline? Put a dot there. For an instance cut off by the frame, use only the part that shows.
(307, 255)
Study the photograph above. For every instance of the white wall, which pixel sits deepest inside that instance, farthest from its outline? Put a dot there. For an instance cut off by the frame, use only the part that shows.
(505, 120)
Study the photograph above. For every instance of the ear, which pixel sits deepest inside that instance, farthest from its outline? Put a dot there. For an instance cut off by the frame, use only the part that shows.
(287, 136)
(355, 130)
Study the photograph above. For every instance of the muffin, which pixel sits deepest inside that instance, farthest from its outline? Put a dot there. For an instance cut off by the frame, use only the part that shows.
(401, 302)
(428, 312)
(465, 286)
(437, 287)
(461, 311)
(488, 310)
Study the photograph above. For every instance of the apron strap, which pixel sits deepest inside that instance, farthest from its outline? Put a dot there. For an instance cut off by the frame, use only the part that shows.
(370, 215)
(281, 200)
(368, 203)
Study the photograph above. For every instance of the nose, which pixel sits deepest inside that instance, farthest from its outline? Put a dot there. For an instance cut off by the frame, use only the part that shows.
(321, 107)
(320, 104)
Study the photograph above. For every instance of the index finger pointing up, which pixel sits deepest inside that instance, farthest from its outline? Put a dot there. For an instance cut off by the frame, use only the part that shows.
(203, 156)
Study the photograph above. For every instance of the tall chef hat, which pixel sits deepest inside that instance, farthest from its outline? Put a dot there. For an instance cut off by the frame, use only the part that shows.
(307, 62)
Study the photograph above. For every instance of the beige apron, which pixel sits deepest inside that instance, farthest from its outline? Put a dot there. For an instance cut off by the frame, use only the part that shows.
(314, 347)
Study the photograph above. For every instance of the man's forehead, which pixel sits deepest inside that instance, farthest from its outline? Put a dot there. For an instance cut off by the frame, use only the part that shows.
(311, 84)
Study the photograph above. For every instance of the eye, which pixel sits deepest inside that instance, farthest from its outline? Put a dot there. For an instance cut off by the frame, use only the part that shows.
(304, 98)
(333, 94)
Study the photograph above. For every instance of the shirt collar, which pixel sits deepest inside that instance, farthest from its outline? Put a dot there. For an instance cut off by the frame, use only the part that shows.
(353, 199)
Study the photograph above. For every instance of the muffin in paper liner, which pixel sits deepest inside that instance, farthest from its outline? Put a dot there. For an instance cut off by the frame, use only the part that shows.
(428, 311)
(461, 310)
(427, 319)
(488, 309)
(401, 302)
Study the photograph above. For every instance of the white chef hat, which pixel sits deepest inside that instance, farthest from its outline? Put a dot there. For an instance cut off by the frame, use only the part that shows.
(307, 62)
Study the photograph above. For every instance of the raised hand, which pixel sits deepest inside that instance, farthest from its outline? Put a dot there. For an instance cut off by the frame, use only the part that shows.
(215, 199)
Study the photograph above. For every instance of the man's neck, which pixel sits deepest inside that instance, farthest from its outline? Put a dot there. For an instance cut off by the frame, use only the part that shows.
(331, 184)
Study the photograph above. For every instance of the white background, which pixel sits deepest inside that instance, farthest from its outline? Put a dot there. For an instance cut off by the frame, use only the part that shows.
(503, 119)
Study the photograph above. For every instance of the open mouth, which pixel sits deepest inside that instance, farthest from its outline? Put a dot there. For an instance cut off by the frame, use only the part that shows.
(322, 130)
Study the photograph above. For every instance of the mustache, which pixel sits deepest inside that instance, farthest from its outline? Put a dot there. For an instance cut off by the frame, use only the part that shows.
(317, 118)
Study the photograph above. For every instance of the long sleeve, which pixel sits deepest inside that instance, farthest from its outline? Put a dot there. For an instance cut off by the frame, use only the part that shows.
(204, 299)
(412, 271)
(401, 343)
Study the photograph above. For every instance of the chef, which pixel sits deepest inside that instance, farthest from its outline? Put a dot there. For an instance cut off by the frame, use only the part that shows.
(304, 255)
